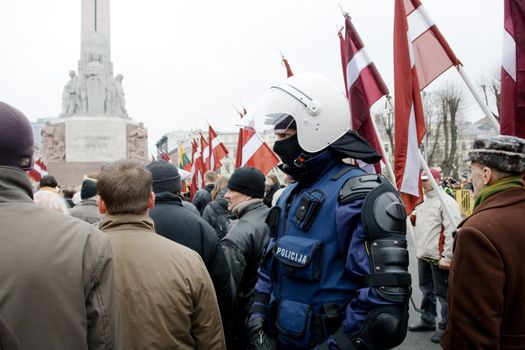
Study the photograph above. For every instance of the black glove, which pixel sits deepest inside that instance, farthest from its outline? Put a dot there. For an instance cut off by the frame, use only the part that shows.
(257, 339)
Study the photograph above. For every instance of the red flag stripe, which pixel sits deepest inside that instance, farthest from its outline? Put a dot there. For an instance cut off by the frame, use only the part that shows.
(218, 149)
(433, 54)
(254, 152)
(358, 59)
(512, 108)
(364, 87)
(409, 118)
(289, 72)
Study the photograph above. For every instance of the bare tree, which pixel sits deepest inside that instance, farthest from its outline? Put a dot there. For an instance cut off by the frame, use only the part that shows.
(433, 123)
(491, 86)
(451, 99)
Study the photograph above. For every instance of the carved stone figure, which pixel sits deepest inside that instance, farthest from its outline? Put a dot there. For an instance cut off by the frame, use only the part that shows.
(119, 101)
(138, 143)
(53, 142)
(95, 86)
(70, 96)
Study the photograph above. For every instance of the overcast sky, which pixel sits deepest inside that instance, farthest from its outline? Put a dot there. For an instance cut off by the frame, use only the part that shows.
(185, 62)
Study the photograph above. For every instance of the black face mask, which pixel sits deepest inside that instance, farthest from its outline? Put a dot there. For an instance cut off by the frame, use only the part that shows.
(289, 150)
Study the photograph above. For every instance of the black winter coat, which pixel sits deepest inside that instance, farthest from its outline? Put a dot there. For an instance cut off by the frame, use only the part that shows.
(177, 223)
(214, 209)
(203, 197)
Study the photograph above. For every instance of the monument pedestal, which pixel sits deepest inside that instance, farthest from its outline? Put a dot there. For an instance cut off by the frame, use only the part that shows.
(80, 145)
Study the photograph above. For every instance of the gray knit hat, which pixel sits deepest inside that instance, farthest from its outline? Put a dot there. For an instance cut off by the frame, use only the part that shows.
(166, 177)
(16, 138)
(504, 153)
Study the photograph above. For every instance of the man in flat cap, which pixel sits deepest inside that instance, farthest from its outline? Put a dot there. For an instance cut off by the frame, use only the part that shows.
(486, 297)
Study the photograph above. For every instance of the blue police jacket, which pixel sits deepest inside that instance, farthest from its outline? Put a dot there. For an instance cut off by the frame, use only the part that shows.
(314, 261)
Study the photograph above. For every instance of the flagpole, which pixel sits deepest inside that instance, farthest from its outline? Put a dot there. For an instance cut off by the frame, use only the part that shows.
(383, 151)
(477, 96)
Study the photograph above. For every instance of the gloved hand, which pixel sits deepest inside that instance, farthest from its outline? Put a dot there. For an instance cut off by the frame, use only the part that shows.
(257, 339)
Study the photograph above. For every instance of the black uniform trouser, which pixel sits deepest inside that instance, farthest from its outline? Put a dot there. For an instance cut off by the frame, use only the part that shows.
(433, 283)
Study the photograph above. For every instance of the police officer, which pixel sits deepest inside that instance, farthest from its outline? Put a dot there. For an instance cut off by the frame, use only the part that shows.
(335, 270)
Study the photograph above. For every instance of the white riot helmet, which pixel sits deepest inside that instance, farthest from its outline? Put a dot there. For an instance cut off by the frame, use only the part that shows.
(319, 108)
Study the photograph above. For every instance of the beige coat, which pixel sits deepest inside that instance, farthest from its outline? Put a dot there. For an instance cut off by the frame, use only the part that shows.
(165, 294)
(56, 275)
(433, 231)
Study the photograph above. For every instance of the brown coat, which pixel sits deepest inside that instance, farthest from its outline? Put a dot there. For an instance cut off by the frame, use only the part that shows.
(166, 296)
(486, 299)
(56, 275)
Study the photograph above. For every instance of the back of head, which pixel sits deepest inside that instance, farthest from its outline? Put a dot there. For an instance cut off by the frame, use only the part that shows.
(125, 187)
(210, 177)
(165, 176)
(16, 138)
(248, 181)
(221, 184)
(48, 181)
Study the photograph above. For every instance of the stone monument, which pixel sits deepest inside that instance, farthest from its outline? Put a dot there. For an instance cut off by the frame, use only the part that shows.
(94, 126)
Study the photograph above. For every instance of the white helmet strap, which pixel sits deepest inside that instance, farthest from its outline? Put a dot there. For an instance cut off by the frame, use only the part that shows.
(312, 106)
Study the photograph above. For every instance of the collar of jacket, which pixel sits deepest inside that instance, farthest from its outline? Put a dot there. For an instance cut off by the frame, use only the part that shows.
(126, 222)
(90, 201)
(167, 198)
(244, 207)
(317, 166)
(14, 186)
(499, 200)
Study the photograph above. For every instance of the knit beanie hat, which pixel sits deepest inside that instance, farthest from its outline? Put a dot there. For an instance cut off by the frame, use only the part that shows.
(88, 189)
(16, 138)
(249, 181)
(436, 174)
(504, 153)
(166, 177)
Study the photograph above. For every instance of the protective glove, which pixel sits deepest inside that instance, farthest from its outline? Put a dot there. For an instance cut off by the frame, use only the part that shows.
(257, 339)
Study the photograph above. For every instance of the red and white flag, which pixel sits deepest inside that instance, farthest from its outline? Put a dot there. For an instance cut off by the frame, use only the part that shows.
(364, 85)
(252, 151)
(39, 170)
(409, 118)
(218, 150)
(512, 108)
(205, 154)
(431, 53)
(196, 168)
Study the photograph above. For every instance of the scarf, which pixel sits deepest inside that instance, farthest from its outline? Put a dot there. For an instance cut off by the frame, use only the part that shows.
(498, 186)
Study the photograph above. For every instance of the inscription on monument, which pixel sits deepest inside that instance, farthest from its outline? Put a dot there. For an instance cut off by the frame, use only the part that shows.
(95, 140)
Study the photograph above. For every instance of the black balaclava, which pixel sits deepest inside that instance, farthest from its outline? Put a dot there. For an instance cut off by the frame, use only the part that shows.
(291, 154)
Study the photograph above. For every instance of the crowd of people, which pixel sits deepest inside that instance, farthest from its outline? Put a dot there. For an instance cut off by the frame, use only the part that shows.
(251, 264)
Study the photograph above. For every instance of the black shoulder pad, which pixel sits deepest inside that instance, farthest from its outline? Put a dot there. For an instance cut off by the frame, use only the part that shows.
(383, 212)
(358, 187)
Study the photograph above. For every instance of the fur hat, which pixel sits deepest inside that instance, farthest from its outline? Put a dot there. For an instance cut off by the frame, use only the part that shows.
(166, 177)
(249, 181)
(16, 138)
(504, 153)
